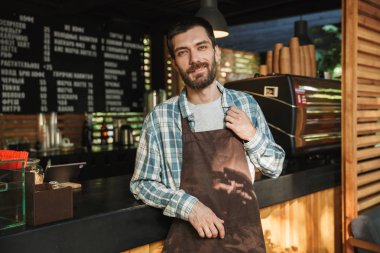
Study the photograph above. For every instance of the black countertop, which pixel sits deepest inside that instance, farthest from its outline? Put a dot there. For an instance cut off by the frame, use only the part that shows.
(102, 161)
(81, 150)
(107, 218)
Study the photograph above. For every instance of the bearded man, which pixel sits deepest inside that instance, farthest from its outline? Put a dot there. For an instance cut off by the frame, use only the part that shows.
(198, 152)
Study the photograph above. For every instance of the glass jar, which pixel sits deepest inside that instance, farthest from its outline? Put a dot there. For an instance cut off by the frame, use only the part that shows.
(34, 167)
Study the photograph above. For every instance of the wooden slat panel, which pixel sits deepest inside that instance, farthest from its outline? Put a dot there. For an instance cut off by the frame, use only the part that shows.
(15, 127)
(368, 81)
(369, 114)
(368, 75)
(368, 178)
(70, 116)
(368, 34)
(369, 88)
(369, 69)
(369, 202)
(72, 120)
(368, 165)
(368, 153)
(18, 116)
(72, 130)
(369, 9)
(19, 134)
(374, 3)
(370, 23)
(373, 73)
(70, 125)
(366, 94)
(19, 126)
(364, 120)
(368, 128)
(369, 60)
(368, 47)
(364, 141)
(368, 190)
(367, 103)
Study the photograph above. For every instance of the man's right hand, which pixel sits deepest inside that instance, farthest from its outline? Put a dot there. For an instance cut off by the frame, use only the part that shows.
(206, 222)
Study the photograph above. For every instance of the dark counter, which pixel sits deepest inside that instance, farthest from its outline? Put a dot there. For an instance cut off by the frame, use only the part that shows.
(107, 218)
(107, 161)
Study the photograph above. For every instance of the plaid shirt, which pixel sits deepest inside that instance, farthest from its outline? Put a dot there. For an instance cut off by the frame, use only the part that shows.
(156, 179)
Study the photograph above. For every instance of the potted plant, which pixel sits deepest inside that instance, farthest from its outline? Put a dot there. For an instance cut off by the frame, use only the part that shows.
(328, 50)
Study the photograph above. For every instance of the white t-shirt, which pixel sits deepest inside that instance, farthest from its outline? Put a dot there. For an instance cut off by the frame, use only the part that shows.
(208, 117)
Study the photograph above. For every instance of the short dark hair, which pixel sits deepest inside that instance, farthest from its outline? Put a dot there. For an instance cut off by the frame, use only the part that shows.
(186, 24)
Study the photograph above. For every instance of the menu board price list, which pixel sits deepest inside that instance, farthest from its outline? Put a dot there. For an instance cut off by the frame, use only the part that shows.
(74, 89)
(68, 68)
(119, 77)
(14, 74)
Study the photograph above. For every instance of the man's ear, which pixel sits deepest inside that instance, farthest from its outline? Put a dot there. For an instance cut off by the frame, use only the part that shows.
(218, 54)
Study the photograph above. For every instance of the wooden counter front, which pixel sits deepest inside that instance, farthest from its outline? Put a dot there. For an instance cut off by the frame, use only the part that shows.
(311, 223)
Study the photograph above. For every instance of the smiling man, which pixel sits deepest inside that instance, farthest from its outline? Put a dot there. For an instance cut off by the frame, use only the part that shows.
(198, 152)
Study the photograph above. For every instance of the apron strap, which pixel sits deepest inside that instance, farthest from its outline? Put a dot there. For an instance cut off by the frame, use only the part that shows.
(185, 126)
(184, 123)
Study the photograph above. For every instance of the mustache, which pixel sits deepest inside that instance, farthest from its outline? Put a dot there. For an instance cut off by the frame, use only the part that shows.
(196, 66)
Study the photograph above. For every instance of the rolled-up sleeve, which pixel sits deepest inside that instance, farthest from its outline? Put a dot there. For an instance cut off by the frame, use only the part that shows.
(263, 152)
(146, 183)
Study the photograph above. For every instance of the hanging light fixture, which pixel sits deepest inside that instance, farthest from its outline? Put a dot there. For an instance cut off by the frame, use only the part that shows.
(209, 11)
(300, 31)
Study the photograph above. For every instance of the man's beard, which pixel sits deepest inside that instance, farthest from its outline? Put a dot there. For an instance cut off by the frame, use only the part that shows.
(200, 82)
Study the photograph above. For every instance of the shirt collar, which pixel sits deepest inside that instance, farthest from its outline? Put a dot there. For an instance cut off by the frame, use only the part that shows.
(184, 105)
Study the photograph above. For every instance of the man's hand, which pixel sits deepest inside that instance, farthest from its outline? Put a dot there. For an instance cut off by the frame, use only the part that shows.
(206, 222)
(240, 124)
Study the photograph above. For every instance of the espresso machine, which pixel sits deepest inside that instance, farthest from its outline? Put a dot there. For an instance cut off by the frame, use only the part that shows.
(303, 114)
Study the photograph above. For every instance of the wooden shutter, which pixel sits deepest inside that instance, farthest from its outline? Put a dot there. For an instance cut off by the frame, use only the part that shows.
(361, 109)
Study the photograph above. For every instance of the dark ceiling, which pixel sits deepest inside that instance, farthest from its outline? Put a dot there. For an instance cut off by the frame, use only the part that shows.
(254, 25)
(159, 13)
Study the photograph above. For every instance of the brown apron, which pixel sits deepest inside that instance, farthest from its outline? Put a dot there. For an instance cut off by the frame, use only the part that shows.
(212, 159)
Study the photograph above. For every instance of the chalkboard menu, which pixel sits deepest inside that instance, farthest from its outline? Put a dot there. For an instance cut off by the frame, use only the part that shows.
(70, 66)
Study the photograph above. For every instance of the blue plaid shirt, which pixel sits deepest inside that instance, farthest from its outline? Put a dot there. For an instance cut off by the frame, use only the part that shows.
(157, 174)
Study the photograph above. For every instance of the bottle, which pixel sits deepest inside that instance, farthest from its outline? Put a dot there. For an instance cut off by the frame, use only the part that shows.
(104, 133)
(116, 131)
(86, 133)
(126, 135)
(53, 123)
(43, 132)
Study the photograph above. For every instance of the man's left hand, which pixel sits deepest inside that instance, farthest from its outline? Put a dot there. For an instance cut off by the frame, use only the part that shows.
(240, 124)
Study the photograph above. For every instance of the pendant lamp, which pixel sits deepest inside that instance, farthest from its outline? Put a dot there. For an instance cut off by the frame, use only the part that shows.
(300, 31)
(209, 11)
